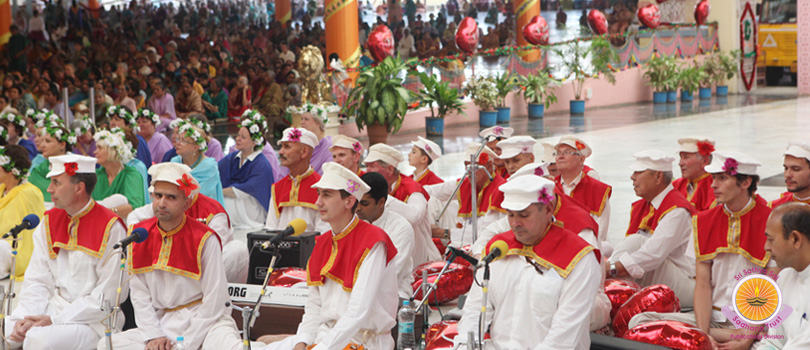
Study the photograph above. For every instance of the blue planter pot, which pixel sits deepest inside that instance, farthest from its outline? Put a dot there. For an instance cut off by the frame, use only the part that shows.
(722, 100)
(672, 96)
(660, 97)
(705, 93)
(487, 118)
(722, 90)
(577, 106)
(504, 114)
(434, 126)
(536, 110)
(686, 96)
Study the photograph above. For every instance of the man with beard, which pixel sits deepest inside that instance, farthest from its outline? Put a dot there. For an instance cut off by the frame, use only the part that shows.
(797, 174)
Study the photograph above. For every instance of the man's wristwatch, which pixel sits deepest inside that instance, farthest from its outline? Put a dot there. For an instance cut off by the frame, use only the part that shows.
(613, 272)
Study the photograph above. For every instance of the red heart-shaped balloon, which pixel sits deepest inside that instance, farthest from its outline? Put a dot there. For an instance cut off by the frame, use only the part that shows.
(536, 31)
(467, 35)
(671, 334)
(702, 11)
(287, 277)
(660, 1)
(655, 298)
(618, 291)
(650, 16)
(455, 281)
(381, 42)
(598, 22)
(440, 335)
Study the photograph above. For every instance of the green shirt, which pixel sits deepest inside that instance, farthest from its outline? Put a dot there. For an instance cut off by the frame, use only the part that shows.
(37, 178)
(127, 183)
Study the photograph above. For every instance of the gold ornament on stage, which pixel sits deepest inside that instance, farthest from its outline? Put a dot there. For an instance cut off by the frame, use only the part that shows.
(314, 88)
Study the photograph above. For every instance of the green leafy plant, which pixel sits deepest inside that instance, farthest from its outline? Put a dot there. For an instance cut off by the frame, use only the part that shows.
(723, 67)
(504, 84)
(575, 57)
(690, 77)
(440, 94)
(662, 73)
(378, 96)
(537, 88)
(482, 90)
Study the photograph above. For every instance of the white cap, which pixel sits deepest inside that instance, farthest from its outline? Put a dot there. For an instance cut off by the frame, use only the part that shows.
(695, 144)
(337, 177)
(177, 174)
(473, 147)
(733, 163)
(498, 131)
(431, 148)
(513, 146)
(299, 135)
(537, 169)
(652, 160)
(346, 142)
(384, 153)
(71, 164)
(521, 192)
(576, 143)
(548, 153)
(798, 149)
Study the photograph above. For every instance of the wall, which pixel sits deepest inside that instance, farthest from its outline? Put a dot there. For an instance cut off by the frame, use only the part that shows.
(803, 47)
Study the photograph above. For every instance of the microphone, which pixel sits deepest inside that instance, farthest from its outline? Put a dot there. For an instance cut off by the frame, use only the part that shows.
(496, 251)
(138, 235)
(294, 228)
(462, 254)
(29, 221)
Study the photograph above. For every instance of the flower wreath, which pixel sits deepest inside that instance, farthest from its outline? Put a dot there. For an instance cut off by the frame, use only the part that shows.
(15, 119)
(3, 133)
(124, 114)
(147, 113)
(57, 130)
(201, 124)
(316, 110)
(44, 117)
(255, 123)
(84, 126)
(186, 129)
(116, 138)
(8, 164)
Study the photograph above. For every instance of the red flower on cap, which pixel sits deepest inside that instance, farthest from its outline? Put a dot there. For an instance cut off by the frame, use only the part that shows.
(357, 147)
(71, 167)
(730, 166)
(705, 148)
(295, 135)
(483, 158)
(544, 197)
(186, 184)
(580, 145)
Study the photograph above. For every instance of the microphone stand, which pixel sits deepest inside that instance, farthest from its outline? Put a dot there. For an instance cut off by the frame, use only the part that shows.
(427, 289)
(111, 321)
(482, 319)
(249, 315)
(8, 298)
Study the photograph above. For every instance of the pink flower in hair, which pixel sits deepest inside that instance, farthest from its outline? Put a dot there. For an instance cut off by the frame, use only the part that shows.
(730, 166)
(545, 197)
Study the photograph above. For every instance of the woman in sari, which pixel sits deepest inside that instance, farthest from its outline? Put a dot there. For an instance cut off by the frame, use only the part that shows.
(158, 143)
(119, 187)
(53, 140)
(18, 198)
(190, 144)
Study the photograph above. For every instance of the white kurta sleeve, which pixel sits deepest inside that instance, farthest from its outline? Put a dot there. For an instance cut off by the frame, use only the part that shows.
(401, 234)
(219, 223)
(38, 283)
(471, 313)
(358, 309)
(572, 320)
(148, 322)
(308, 328)
(603, 221)
(214, 286)
(87, 309)
(414, 210)
(488, 232)
(673, 231)
(140, 214)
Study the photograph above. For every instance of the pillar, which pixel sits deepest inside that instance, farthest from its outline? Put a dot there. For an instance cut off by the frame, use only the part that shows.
(803, 46)
(5, 21)
(342, 32)
(525, 10)
(284, 12)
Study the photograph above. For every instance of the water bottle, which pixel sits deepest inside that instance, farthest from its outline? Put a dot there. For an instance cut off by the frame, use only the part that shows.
(406, 338)
(179, 345)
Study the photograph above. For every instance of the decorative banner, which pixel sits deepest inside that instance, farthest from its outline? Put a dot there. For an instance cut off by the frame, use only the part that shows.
(597, 22)
(381, 42)
(467, 35)
(702, 11)
(527, 12)
(650, 16)
(283, 12)
(748, 46)
(536, 31)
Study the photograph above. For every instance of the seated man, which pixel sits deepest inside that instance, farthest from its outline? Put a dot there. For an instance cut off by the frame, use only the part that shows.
(182, 255)
(797, 174)
(491, 138)
(423, 153)
(69, 275)
(347, 152)
(351, 275)
(550, 159)
(292, 196)
(407, 198)
(695, 183)
(542, 290)
(728, 240)
(656, 249)
(788, 232)
(235, 254)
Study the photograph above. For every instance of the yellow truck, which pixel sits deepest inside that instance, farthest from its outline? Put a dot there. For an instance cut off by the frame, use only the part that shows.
(777, 39)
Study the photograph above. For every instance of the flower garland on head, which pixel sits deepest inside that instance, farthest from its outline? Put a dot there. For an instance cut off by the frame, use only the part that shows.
(44, 117)
(256, 124)
(186, 128)
(8, 164)
(147, 113)
(15, 119)
(3, 133)
(319, 111)
(57, 130)
(84, 126)
(201, 124)
(123, 113)
(117, 139)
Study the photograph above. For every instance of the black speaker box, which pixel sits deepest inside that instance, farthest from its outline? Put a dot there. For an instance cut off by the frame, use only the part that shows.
(295, 251)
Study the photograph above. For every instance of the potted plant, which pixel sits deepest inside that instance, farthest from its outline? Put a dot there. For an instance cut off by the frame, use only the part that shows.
(689, 79)
(482, 90)
(378, 101)
(538, 93)
(724, 67)
(662, 72)
(445, 99)
(575, 60)
(504, 85)
(709, 67)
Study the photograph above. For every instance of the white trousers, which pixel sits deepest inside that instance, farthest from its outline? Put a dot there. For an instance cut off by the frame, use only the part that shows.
(222, 336)
(55, 337)
(236, 258)
(667, 273)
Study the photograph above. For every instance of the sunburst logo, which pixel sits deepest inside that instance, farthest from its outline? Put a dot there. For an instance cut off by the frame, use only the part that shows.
(757, 299)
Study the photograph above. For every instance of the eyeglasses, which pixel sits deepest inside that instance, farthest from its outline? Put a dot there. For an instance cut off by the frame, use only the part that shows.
(567, 153)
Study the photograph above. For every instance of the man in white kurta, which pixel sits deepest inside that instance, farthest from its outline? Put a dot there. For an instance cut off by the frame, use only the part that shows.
(372, 209)
(185, 259)
(292, 197)
(354, 305)
(541, 293)
(69, 274)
